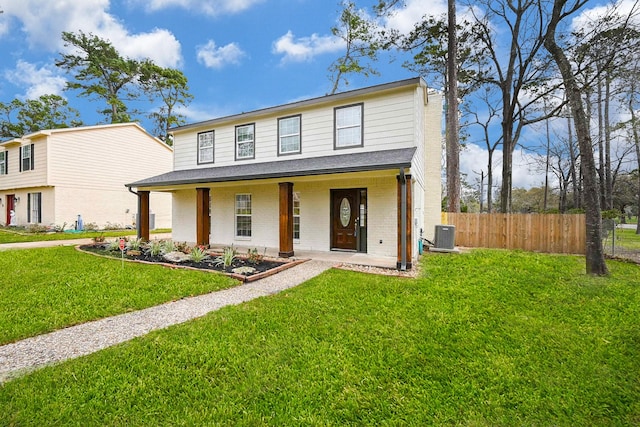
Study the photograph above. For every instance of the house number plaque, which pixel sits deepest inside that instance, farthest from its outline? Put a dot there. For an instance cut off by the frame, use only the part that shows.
(345, 212)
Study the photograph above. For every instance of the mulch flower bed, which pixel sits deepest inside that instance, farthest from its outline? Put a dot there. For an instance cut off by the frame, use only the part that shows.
(242, 268)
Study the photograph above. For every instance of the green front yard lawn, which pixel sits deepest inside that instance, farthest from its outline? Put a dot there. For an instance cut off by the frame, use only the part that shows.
(46, 289)
(494, 338)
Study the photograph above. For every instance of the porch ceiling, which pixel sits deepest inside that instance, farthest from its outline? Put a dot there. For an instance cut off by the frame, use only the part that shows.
(341, 163)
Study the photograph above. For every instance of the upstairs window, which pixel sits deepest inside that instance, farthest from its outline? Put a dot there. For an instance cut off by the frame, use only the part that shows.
(289, 135)
(26, 157)
(245, 142)
(205, 147)
(348, 126)
(4, 166)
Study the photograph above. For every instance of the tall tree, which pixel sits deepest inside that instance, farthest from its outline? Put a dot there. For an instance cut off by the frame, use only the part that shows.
(170, 87)
(361, 41)
(452, 117)
(99, 71)
(46, 112)
(562, 9)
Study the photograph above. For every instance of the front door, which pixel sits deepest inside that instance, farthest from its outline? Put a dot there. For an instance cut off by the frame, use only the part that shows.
(10, 209)
(344, 219)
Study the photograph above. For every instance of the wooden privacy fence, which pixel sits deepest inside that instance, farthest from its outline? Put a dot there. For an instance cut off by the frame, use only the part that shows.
(550, 233)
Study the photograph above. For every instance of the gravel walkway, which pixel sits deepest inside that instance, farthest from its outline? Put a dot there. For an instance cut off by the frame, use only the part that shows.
(32, 353)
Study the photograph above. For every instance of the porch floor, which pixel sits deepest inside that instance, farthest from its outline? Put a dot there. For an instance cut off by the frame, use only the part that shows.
(337, 257)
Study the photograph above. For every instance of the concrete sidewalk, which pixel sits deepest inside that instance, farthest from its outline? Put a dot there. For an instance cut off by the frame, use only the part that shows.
(69, 242)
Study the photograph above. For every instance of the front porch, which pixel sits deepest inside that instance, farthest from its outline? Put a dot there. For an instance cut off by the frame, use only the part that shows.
(352, 208)
(335, 257)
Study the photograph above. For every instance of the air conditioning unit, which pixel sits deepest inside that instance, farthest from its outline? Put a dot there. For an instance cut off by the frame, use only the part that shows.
(445, 237)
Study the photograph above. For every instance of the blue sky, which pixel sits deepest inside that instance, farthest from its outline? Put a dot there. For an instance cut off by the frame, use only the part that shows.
(238, 55)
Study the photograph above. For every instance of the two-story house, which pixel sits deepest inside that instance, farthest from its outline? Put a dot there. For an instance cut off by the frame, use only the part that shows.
(52, 176)
(354, 171)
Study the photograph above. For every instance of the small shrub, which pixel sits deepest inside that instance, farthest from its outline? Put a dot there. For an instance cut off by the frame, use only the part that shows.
(253, 257)
(99, 239)
(226, 259)
(36, 228)
(113, 245)
(198, 254)
(611, 214)
(57, 228)
(110, 226)
(134, 244)
(156, 248)
(91, 226)
(182, 247)
(168, 246)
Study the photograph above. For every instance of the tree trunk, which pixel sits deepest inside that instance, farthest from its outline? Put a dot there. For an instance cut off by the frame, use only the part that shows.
(452, 143)
(595, 263)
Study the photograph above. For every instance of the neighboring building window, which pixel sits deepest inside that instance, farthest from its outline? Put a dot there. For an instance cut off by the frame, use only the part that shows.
(243, 215)
(348, 126)
(245, 141)
(205, 147)
(26, 157)
(289, 135)
(4, 167)
(296, 216)
(34, 208)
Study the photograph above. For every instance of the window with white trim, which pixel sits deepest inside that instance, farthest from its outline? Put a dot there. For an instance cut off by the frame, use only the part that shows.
(243, 215)
(34, 208)
(205, 147)
(245, 141)
(289, 135)
(4, 167)
(348, 126)
(296, 216)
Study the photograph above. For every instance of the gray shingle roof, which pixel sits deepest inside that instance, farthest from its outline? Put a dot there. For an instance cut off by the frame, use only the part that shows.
(340, 163)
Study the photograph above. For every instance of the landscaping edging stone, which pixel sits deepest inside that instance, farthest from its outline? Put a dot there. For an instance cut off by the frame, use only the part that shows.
(240, 277)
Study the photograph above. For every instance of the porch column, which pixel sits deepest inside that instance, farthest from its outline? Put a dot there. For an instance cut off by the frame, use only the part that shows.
(286, 219)
(405, 210)
(203, 221)
(143, 215)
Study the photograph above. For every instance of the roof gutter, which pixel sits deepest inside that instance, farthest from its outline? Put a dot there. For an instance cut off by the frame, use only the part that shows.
(138, 231)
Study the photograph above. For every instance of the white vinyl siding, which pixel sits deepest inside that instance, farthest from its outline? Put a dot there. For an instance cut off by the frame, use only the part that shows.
(289, 135)
(388, 123)
(205, 147)
(348, 126)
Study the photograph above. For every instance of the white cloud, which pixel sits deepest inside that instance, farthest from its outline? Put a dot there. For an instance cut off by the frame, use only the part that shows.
(405, 18)
(209, 7)
(159, 45)
(589, 18)
(217, 57)
(43, 22)
(37, 81)
(305, 48)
